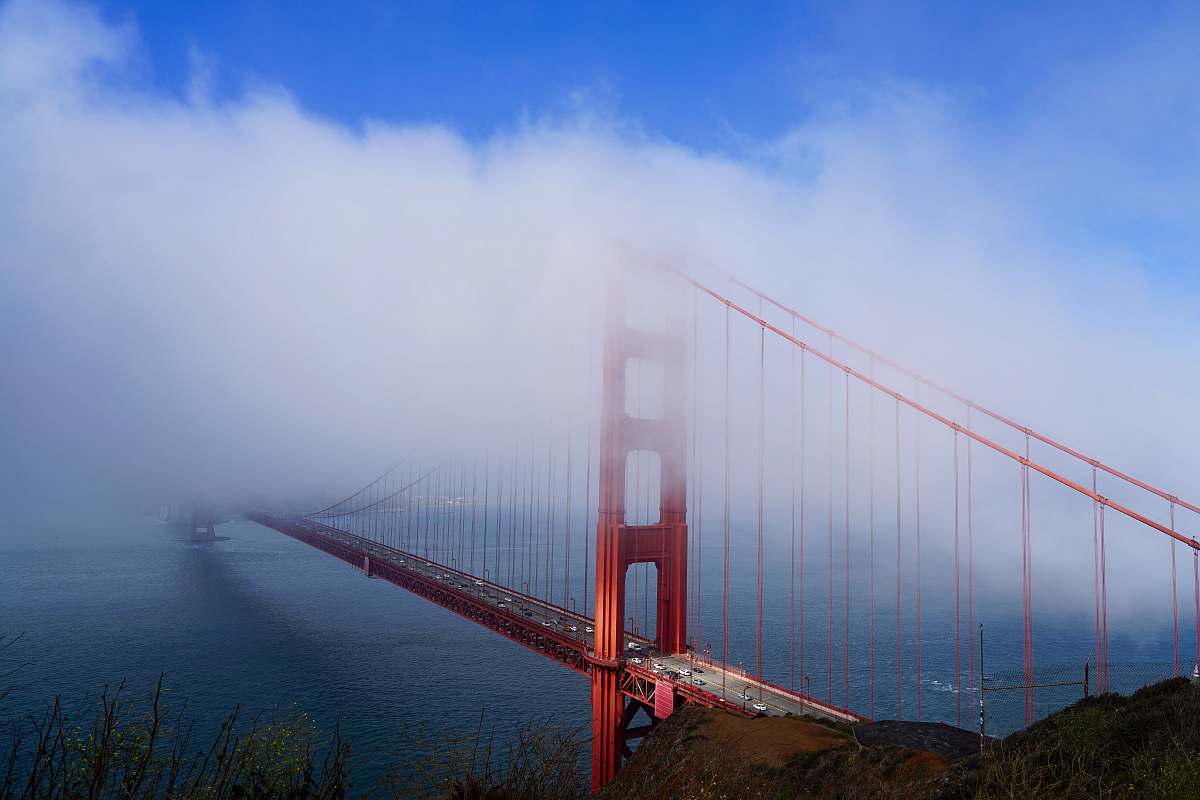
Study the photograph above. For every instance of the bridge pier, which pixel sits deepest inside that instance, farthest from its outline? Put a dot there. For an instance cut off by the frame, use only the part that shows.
(619, 545)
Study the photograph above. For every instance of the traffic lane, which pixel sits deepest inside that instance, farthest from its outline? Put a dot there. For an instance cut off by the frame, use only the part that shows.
(737, 690)
(743, 691)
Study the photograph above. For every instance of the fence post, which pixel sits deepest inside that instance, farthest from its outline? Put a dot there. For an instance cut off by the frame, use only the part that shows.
(982, 710)
(1086, 665)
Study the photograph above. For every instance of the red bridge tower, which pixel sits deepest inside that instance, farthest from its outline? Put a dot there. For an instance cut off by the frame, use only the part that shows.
(619, 545)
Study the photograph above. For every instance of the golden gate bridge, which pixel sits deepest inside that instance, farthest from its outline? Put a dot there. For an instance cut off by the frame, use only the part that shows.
(805, 438)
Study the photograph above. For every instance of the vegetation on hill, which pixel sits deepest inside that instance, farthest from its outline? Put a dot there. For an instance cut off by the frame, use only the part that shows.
(1142, 747)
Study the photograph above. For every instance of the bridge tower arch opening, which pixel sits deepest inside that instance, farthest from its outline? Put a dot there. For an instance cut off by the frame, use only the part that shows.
(620, 544)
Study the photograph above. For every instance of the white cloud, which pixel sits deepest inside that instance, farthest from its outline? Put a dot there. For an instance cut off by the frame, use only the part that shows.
(242, 289)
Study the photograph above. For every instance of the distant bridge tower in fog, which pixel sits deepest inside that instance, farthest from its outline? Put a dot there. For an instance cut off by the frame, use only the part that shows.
(192, 522)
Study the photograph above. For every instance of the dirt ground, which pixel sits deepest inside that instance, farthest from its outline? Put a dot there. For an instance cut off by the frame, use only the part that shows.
(769, 741)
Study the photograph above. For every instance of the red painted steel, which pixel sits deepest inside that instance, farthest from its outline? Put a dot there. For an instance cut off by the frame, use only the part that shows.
(1105, 502)
(622, 690)
(618, 545)
(968, 404)
(556, 646)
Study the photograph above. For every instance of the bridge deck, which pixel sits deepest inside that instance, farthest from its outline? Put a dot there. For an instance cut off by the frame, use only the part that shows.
(555, 632)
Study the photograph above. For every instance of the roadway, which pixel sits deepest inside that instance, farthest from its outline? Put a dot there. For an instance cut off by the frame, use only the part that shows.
(728, 687)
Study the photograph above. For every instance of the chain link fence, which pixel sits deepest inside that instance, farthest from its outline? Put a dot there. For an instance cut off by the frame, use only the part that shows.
(1008, 702)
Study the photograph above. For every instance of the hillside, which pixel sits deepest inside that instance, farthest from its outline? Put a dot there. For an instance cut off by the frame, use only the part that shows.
(1144, 746)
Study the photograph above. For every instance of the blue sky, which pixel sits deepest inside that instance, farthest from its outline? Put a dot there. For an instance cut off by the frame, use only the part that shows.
(718, 78)
(1005, 198)
(705, 75)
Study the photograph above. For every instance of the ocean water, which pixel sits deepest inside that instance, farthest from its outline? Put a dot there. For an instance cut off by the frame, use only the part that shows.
(266, 623)
(260, 621)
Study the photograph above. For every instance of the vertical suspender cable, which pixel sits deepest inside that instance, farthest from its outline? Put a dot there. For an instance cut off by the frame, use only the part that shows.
(698, 435)
(550, 509)
(725, 559)
(499, 513)
(512, 518)
(970, 565)
(957, 602)
(1174, 597)
(460, 502)
(527, 521)
(551, 514)
(1196, 598)
(829, 521)
(535, 529)
(440, 512)
(487, 486)
(871, 451)
(846, 553)
(587, 510)
(474, 498)
(694, 504)
(803, 507)
(917, 500)
(440, 517)
(1103, 657)
(385, 524)
(429, 501)
(1028, 601)
(444, 481)
(762, 466)
(1096, 570)
(792, 548)
(408, 515)
(453, 518)
(899, 582)
(535, 511)
(374, 521)
(452, 515)
(567, 529)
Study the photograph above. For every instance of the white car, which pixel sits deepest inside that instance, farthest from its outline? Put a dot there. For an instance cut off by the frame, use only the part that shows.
(658, 666)
(573, 628)
(634, 646)
(759, 706)
(589, 629)
(637, 660)
(685, 672)
(546, 623)
(502, 605)
(445, 574)
(746, 695)
(479, 583)
(508, 599)
(697, 682)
